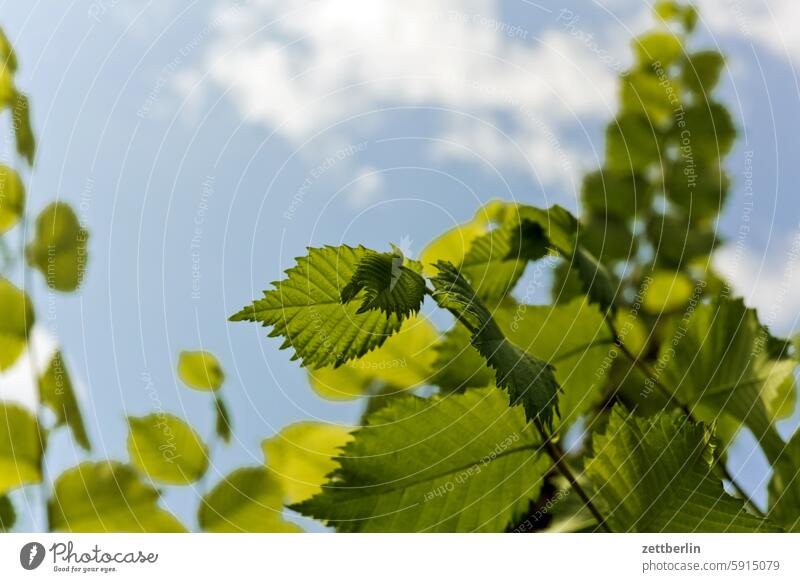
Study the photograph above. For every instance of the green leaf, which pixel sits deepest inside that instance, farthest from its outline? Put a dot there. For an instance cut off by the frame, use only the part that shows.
(701, 71)
(458, 364)
(166, 449)
(655, 475)
(493, 265)
(717, 360)
(573, 339)
(55, 392)
(23, 132)
(464, 463)
(8, 58)
(784, 487)
(387, 284)
(59, 250)
(699, 190)
(306, 309)
(676, 241)
(249, 500)
(667, 291)
(609, 239)
(658, 47)
(16, 321)
(403, 362)
(528, 380)
(107, 496)
(12, 198)
(708, 132)
(302, 455)
(20, 448)
(633, 144)
(561, 230)
(620, 194)
(200, 370)
(644, 92)
(7, 514)
(222, 423)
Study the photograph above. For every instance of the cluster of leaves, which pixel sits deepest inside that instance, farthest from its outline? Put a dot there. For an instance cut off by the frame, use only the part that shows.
(643, 345)
(642, 353)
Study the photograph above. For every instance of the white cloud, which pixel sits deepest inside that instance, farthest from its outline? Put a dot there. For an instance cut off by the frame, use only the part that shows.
(364, 189)
(770, 23)
(768, 281)
(303, 69)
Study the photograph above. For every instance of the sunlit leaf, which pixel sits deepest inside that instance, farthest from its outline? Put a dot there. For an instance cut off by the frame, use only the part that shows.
(302, 455)
(655, 475)
(249, 500)
(59, 250)
(16, 321)
(404, 361)
(12, 198)
(200, 370)
(667, 291)
(107, 497)
(784, 487)
(56, 392)
(306, 309)
(463, 463)
(20, 448)
(166, 449)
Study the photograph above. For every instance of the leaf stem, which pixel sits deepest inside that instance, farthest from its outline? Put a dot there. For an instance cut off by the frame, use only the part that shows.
(556, 453)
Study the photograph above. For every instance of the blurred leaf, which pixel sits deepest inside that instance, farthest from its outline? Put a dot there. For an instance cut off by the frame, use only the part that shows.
(458, 364)
(166, 449)
(493, 265)
(16, 321)
(463, 463)
(107, 496)
(620, 194)
(404, 361)
(8, 516)
(701, 71)
(708, 133)
(26, 142)
(658, 47)
(655, 475)
(717, 359)
(633, 144)
(676, 241)
(12, 198)
(784, 487)
(222, 423)
(200, 370)
(302, 455)
(667, 291)
(609, 239)
(20, 448)
(561, 230)
(59, 250)
(249, 500)
(645, 93)
(699, 190)
(8, 58)
(306, 309)
(55, 392)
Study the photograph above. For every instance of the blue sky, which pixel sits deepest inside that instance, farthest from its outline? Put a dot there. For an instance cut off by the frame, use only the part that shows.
(207, 143)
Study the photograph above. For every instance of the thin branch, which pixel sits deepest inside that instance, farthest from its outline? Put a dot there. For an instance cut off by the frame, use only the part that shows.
(557, 454)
